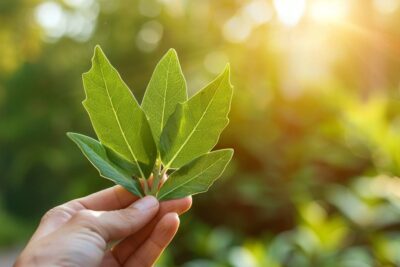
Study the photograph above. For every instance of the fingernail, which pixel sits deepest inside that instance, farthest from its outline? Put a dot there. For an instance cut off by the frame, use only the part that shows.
(145, 203)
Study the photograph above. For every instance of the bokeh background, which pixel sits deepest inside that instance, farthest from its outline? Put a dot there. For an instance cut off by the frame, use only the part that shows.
(315, 121)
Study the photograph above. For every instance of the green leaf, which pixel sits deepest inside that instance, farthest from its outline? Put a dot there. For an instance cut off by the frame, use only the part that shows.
(97, 155)
(197, 176)
(122, 163)
(117, 118)
(167, 88)
(194, 128)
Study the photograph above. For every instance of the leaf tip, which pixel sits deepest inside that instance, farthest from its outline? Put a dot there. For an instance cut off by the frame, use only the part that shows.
(227, 152)
(227, 70)
(227, 67)
(98, 54)
(172, 51)
(97, 49)
(72, 136)
(227, 73)
(171, 55)
(231, 150)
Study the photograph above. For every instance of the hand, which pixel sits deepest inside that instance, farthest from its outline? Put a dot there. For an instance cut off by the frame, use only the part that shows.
(78, 233)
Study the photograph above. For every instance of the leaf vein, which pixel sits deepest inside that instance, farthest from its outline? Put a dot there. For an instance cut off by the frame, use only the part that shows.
(194, 177)
(118, 121)
(165, 95)
(195, 127)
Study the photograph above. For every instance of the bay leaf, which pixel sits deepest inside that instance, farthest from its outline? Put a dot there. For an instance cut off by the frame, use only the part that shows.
(96, 153)
(197, 176)
(194, 128)
(167, 88)
(116, 116)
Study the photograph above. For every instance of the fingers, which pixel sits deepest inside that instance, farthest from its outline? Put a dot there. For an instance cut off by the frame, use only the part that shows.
(109, 260)
(111, 225)
(112, 198)
(151, 249)
(130, 244)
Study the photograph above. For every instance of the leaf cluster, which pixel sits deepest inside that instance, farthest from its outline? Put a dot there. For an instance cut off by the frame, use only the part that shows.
(167, 139)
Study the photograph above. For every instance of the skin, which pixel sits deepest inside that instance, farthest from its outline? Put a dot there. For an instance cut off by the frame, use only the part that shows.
(79, 232)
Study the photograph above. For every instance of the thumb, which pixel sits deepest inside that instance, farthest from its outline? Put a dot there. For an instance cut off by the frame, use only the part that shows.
(111, 225)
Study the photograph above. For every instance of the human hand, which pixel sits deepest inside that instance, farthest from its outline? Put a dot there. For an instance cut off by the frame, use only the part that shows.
(79, 232)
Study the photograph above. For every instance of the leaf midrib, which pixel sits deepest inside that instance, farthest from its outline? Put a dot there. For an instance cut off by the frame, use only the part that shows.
(118, 122)
(195, 127)
(194, 177)
(107, 162)
(81, 144)
(165, 95)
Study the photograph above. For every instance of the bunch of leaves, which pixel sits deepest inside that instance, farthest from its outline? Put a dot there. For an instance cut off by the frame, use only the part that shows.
(168, 135)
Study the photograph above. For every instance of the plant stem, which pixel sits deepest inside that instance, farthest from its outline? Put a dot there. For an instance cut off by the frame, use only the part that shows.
(146, 187)
(156, 178)
(163, 172)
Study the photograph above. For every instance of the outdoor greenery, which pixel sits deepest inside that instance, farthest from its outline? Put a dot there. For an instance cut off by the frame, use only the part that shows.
(314, 122)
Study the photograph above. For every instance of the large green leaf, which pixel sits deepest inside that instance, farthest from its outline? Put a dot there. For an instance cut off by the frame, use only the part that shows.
(167, 88)
(97, 155)
(117, 118)
(197, 176)
(194, 128)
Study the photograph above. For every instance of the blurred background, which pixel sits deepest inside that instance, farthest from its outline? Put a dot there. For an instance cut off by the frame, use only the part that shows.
(315, 121)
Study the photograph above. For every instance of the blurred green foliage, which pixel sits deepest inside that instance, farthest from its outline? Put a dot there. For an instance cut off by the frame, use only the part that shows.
(315, 121)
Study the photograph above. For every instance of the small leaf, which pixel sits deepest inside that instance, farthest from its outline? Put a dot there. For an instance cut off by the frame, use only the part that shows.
(197, 176)
(167, 88)
(97, 155)
(194, 128)
(117, 118)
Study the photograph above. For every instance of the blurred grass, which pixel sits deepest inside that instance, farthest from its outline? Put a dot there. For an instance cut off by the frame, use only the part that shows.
(314, 122)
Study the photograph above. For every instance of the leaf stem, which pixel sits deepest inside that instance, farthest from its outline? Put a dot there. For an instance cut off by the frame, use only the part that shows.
(157, 175)
(146, 187)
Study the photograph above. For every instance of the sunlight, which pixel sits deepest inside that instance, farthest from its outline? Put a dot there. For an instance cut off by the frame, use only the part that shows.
(290, 11)
(50, 16)
(237, 29)
(328, 10)
(149, 36)
(386, 6)
(258, 11)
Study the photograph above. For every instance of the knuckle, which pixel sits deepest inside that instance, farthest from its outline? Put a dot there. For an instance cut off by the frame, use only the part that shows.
(55, 212)
(49, 214)
(84, 216)
(88, 222)
(62, 212)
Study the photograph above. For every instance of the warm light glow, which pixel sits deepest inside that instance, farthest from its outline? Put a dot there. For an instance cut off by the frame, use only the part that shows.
(50, 15)
(259, 11)
(237, 29)
(386, 6)
(76, 22)
(149, 36)
(290, 11)
(329, 10)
